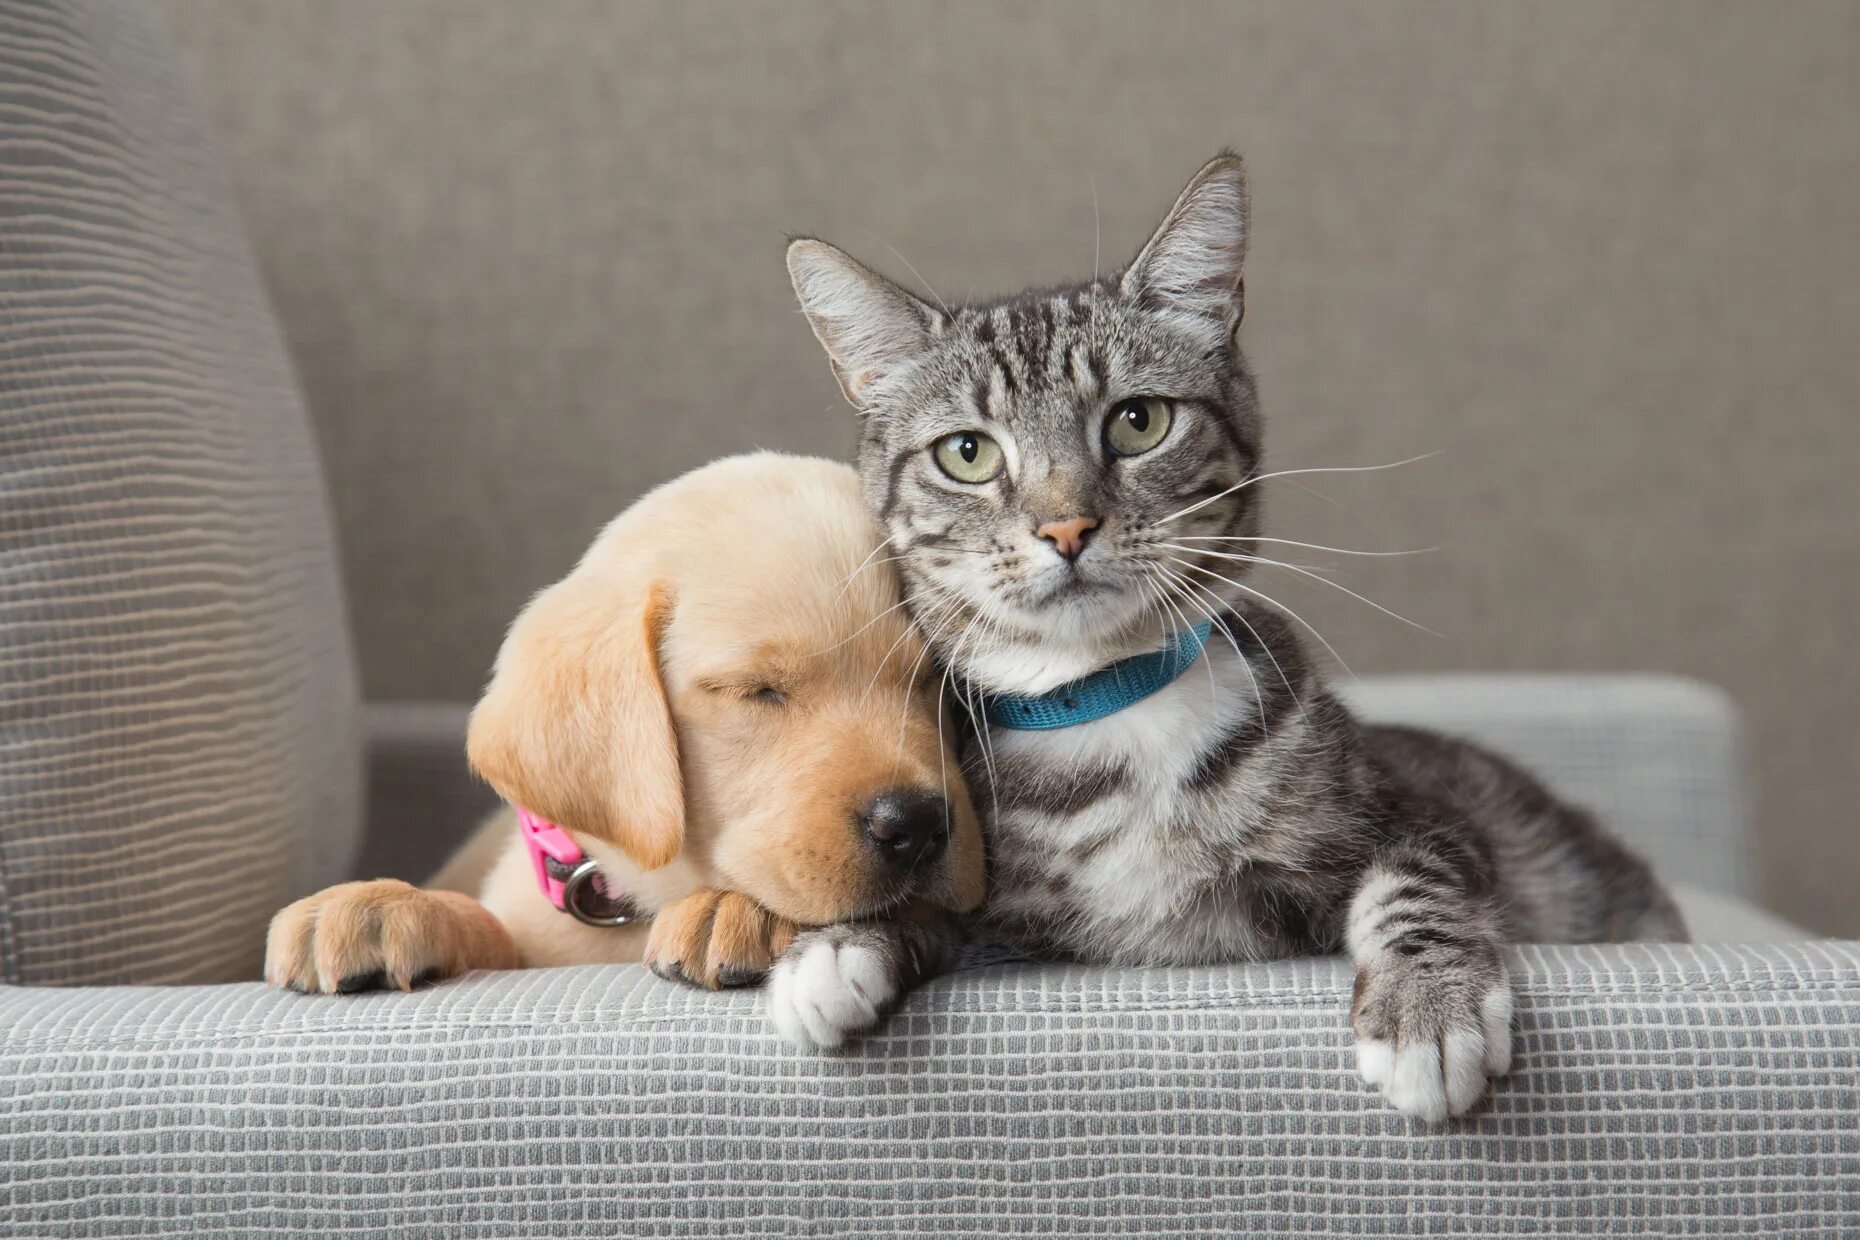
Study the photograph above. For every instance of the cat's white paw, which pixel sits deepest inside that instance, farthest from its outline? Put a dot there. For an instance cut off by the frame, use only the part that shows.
(829, 986)
(1429, 1041)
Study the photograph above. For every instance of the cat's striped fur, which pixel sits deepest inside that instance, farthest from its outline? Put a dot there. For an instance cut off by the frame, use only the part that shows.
(1240, 813)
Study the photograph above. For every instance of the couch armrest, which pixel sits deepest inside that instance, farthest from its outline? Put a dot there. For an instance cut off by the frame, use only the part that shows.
(1658, 1089)
(423, 800)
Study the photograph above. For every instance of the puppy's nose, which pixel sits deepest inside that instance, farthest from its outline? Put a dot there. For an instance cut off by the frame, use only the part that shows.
(908, 829)
(1069, 536)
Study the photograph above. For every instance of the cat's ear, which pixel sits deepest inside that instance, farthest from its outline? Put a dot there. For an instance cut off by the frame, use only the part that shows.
(868, 325)
(1193, 262)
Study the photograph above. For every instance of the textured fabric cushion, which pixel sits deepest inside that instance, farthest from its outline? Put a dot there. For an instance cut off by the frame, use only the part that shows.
(1704, 1091)
(178, 748)
(1659, 759)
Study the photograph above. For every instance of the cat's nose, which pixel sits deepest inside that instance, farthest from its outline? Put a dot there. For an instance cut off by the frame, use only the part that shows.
(1069, 536)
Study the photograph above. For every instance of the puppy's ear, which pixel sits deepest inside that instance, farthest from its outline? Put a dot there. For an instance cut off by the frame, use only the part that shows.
(575, 726)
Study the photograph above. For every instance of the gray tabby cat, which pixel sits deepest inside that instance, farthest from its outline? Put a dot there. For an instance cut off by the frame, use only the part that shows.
(1069, 477)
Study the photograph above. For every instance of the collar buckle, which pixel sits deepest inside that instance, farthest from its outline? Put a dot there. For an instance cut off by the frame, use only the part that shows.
(569, 878)
(585, 897)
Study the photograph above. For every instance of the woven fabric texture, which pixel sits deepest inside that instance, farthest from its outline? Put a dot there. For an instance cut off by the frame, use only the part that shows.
(1699, 1091)
(178, 732)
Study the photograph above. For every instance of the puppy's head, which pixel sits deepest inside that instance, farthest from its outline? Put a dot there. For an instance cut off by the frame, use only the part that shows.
(728, 675)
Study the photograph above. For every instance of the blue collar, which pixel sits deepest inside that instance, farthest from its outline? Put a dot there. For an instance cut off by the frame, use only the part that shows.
(1103, 692)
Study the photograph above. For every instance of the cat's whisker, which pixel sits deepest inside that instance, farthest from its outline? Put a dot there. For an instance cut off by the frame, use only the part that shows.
(1290, 542)
(1151, 606)
(1270, 656)
(904, 707)
(1328, 498)
(1216, 623)
(944, 608)
(1217, 553)
(1180, 622)
(968, 698)
(978, 723)
(928, 553)
(856, 632)
(847, 580)
(978, 716)
(1165, 610)
(1180, 585)
(929, 588)
(1097, 229)
(1303, 571)
(1276, 604)
(920, 275)
(1288, 473)
(1170, 618)
(1186, 624)
(942, 753)
(845, 583)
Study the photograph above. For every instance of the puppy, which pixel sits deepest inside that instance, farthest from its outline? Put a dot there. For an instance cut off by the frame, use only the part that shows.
(718, 731)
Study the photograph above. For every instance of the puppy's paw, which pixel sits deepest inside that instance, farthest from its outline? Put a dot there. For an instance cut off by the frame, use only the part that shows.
(380, 934)
(1430, 1032)
(834, 982)
(715, 939)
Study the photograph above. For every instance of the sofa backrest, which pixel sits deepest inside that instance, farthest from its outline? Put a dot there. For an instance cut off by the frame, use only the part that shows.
(178, 745)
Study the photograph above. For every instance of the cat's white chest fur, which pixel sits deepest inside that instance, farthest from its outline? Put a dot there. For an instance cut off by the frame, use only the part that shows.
(1137, 870)
(1158, 739)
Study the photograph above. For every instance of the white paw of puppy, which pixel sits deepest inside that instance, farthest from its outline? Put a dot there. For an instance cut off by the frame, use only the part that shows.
(1431, 1037)
(832, 983)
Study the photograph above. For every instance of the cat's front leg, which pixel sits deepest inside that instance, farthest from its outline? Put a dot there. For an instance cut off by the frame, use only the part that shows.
(837, 981)
(1432, 1005)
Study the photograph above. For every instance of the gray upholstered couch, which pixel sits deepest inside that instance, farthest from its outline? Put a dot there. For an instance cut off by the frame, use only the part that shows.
(181, 751)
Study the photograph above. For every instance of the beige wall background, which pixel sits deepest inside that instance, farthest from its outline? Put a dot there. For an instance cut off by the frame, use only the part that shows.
(1603, 257)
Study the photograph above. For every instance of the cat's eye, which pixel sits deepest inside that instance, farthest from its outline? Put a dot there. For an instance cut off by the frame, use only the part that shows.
(1137, 425)
(968, 456)
(769, 695)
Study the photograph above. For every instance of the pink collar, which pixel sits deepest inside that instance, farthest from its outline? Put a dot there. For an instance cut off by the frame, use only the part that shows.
(569, 878)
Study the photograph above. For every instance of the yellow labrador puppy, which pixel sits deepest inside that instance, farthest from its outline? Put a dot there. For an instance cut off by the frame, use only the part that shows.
(722, 745)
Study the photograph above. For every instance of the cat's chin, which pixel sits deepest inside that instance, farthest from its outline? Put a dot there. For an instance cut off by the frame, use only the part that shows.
(1026, 668)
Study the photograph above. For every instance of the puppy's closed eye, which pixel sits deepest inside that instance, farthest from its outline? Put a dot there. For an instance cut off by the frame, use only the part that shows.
(750, 689)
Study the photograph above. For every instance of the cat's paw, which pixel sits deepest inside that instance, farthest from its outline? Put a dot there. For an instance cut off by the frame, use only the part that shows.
(1430, 1032)
(833, 983)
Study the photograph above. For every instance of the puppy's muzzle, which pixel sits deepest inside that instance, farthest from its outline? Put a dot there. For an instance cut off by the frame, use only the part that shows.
(906, 827)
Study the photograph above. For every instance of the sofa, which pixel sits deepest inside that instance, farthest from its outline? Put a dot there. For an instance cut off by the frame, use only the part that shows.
(183, 749)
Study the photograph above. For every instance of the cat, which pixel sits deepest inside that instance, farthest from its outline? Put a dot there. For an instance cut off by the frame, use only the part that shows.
(1067, 479)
